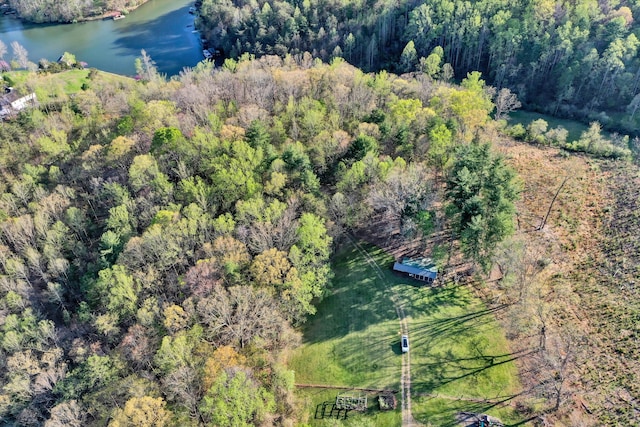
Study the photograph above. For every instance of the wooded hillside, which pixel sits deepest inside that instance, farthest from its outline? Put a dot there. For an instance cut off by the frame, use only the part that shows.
(575, 59)
(159, 240)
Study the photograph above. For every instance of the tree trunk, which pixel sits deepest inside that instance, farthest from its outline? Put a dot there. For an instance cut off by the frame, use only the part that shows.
(544, 221)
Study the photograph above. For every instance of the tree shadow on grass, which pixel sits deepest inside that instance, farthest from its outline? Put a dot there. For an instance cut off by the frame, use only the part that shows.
(347, 313)
(458, 349)
(457, 324)
(358, 300)
(445, 369)
(396, 348)
(442, 415)
(431, 299)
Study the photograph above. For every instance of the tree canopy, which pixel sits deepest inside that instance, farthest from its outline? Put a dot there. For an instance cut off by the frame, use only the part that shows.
(481, 190)
(577, 60)
(157, 269)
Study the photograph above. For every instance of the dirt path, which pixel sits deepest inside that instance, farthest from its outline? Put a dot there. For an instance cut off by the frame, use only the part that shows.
(405, 378)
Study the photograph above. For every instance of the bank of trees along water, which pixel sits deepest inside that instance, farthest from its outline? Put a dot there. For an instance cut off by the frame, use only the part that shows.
(159, 240)
(570, 58)
(68, 10)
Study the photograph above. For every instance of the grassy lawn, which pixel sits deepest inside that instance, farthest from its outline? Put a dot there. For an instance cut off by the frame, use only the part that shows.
(433, 411)
(352, 341)
(457, 348)
(68, 81)
(51, 86)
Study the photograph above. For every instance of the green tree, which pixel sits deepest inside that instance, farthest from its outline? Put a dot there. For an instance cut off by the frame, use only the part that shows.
(360, 146)
(143, 171)
(92, 374)
(432, 64)
(349, 46)
(470, 106)
(117, 289)
(69, 59)
(235, 400)
(536, 130)
(166, 139)
(440, 146)
(409, 57)
(481, 190)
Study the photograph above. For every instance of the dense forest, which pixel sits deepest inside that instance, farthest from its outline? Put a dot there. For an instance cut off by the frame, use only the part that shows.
(41, 11)
(161, 240)
(573, 59)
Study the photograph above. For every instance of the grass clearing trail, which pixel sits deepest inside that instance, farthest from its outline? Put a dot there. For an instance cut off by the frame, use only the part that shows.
(405, 376)
(457, 347)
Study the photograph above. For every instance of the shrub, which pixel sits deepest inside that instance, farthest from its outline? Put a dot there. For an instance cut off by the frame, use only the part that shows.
(516, 131)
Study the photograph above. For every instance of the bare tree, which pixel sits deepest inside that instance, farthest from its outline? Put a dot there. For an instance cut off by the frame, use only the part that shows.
(240, 314)
(184, 387)
(557, 365)
(203, 277)
(520, 262)
(403, 189)
(631, 108)
(3, 50)
(281, 233)
(137, 346)
(20, 55)
(506, 101)
(146, 67)
(67, 414)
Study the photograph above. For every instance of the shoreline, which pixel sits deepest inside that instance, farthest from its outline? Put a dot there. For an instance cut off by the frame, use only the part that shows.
(50, 40)
(5, 7)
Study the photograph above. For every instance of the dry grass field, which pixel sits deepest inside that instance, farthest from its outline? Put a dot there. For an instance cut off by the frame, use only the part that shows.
(572, 284)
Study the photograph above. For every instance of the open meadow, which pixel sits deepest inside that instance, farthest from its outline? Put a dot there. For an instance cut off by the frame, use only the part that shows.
(460, 360)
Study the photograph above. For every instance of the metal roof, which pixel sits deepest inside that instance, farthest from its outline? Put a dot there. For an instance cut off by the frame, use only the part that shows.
(429, 271)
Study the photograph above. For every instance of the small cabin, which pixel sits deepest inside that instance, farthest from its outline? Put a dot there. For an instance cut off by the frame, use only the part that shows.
(422, 269)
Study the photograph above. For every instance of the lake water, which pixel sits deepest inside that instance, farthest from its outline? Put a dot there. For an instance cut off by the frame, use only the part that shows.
(164, 28)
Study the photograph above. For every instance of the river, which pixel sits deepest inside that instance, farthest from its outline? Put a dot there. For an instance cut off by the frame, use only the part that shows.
(164, 28)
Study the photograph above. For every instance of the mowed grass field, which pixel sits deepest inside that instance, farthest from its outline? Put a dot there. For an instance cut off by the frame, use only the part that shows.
(460, 360)
(48, 87)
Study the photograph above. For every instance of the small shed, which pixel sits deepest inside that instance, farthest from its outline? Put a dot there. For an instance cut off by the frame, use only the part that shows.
(418, 268)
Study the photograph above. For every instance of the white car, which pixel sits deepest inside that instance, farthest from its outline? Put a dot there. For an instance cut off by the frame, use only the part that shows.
(404, 343)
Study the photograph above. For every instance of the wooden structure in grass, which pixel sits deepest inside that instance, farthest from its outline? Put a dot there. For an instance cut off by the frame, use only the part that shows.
(351, 402)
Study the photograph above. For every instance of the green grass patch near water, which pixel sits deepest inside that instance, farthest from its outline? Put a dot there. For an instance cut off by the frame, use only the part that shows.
(574, 127)
(48, 87)
(457, 348)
